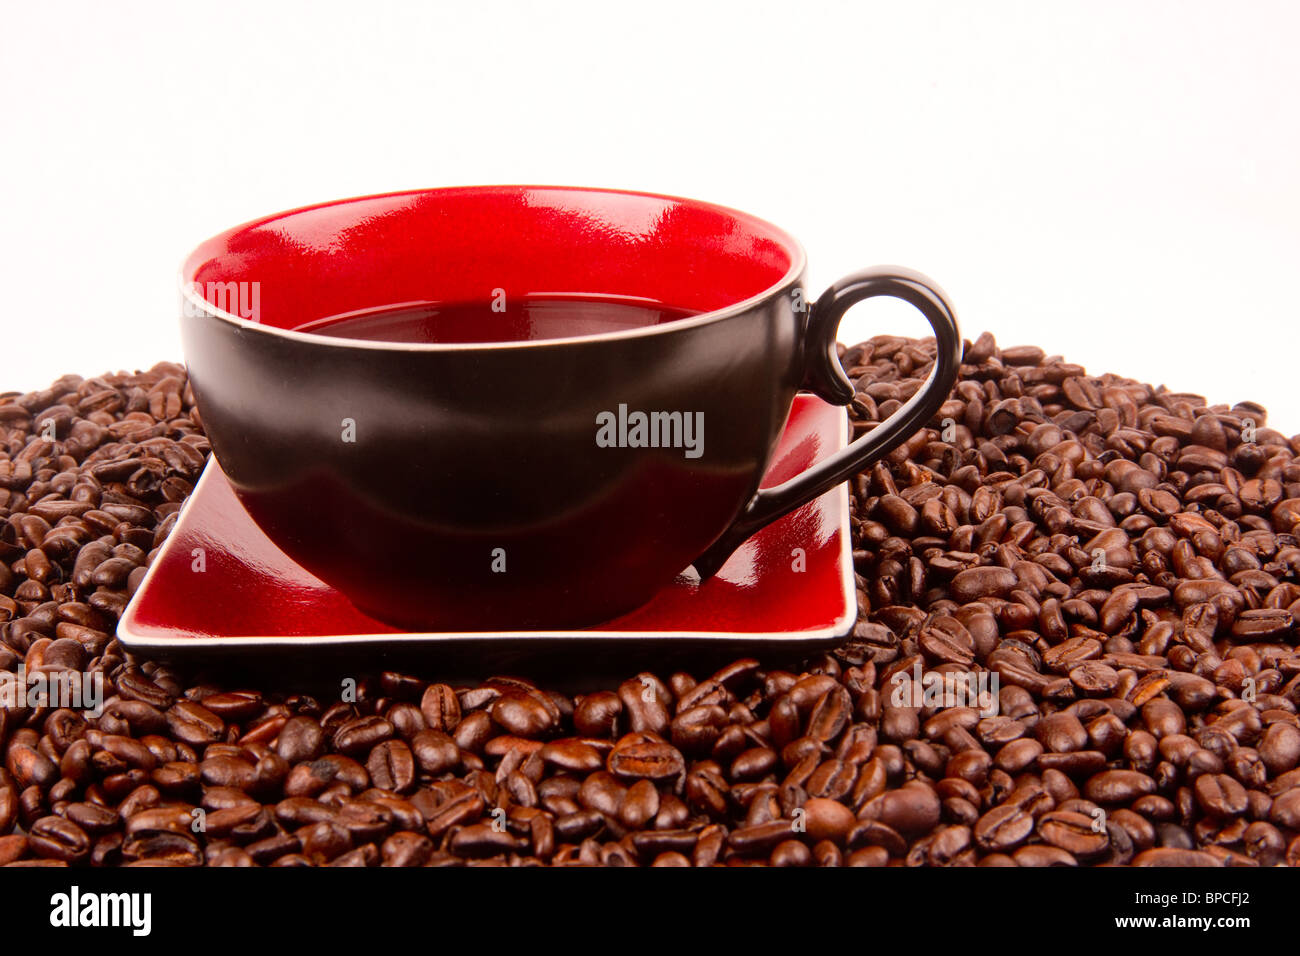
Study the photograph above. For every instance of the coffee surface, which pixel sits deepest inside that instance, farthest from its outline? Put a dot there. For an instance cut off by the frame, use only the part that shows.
(499, 319)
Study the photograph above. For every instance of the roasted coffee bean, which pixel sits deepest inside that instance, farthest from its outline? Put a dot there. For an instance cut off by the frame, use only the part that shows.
(523, 716)
(1170, 856)
(473, 732)
(440, 707)
(572, 755)
(30, 768)
(94, 819)
(194, 724)
(754, 764)
(632, 759)
(1220, 795)
(639, 805)
(356, 737)
(1118, 786)
(1003, 827)
(832, 779)
(324, 841)
(912, 809)
(223, 771)
(651, 843)
(464, 807)
(1279, 748)
(828, 820)
(644, 701)
(1285, 810)
(300, 739)
(406, 849)
(434, 752)
(177, 819)
(57, 838)
(391, 766)
(1073, 832)
(760, 839)
(1062, 733)
(830, 715)
(974, 584)
(1042, 855)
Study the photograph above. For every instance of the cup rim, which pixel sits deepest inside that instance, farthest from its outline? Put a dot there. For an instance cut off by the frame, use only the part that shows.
(201, 307)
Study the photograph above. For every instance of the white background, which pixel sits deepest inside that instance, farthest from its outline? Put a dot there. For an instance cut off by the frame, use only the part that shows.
(1115, 182)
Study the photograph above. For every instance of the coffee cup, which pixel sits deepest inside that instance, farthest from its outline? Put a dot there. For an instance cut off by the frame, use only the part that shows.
(521, 406)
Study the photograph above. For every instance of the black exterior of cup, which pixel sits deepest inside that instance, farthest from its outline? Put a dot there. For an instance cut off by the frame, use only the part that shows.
(474, 495)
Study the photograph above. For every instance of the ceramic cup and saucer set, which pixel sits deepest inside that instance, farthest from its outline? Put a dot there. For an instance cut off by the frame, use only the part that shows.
(505, 422)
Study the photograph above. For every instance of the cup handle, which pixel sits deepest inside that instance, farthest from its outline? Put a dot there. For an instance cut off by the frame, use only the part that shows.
(825, 377)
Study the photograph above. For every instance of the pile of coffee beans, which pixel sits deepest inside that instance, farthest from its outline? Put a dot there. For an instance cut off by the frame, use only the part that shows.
(1122, 558)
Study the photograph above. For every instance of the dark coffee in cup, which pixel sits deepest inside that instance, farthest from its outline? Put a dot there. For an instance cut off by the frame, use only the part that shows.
(498, 319)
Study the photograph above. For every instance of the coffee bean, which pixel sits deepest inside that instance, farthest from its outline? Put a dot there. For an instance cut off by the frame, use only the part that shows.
(159, 819)
(597, 714)
(194, 724)
(1062, 733)
(1168, 856)
(473, 732)
(1042, 855)
(946, 640)
(1003, 827)
(753, 764)
(1073, 832)
(1220, 795)
(1118, 786)
(235, 705)
(391, 766)
(791, 853)
(649, 844)
(639, 805)
(984, 582)
(828, 820)
(632, 759)
(830, 715)
(457, 810)
(1018, 755)
(406, 849)
(1279, 748)
(434, 752)
(761, 838)
(523, 716)
(1285, 810)
(644, 703)
(579, 825)
(440, 708)
(58, 838)
(912, 809)
(222, 771)
(356, 737)
(324, 841)
(30, 768)
(300, 739)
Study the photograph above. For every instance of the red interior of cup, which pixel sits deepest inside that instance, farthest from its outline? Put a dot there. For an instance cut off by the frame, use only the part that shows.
(459, 245)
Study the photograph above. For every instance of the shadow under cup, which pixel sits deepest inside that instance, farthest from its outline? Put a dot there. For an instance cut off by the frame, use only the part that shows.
(476, 485)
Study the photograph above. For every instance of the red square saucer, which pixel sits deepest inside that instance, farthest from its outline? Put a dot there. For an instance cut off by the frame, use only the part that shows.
(251, 598)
